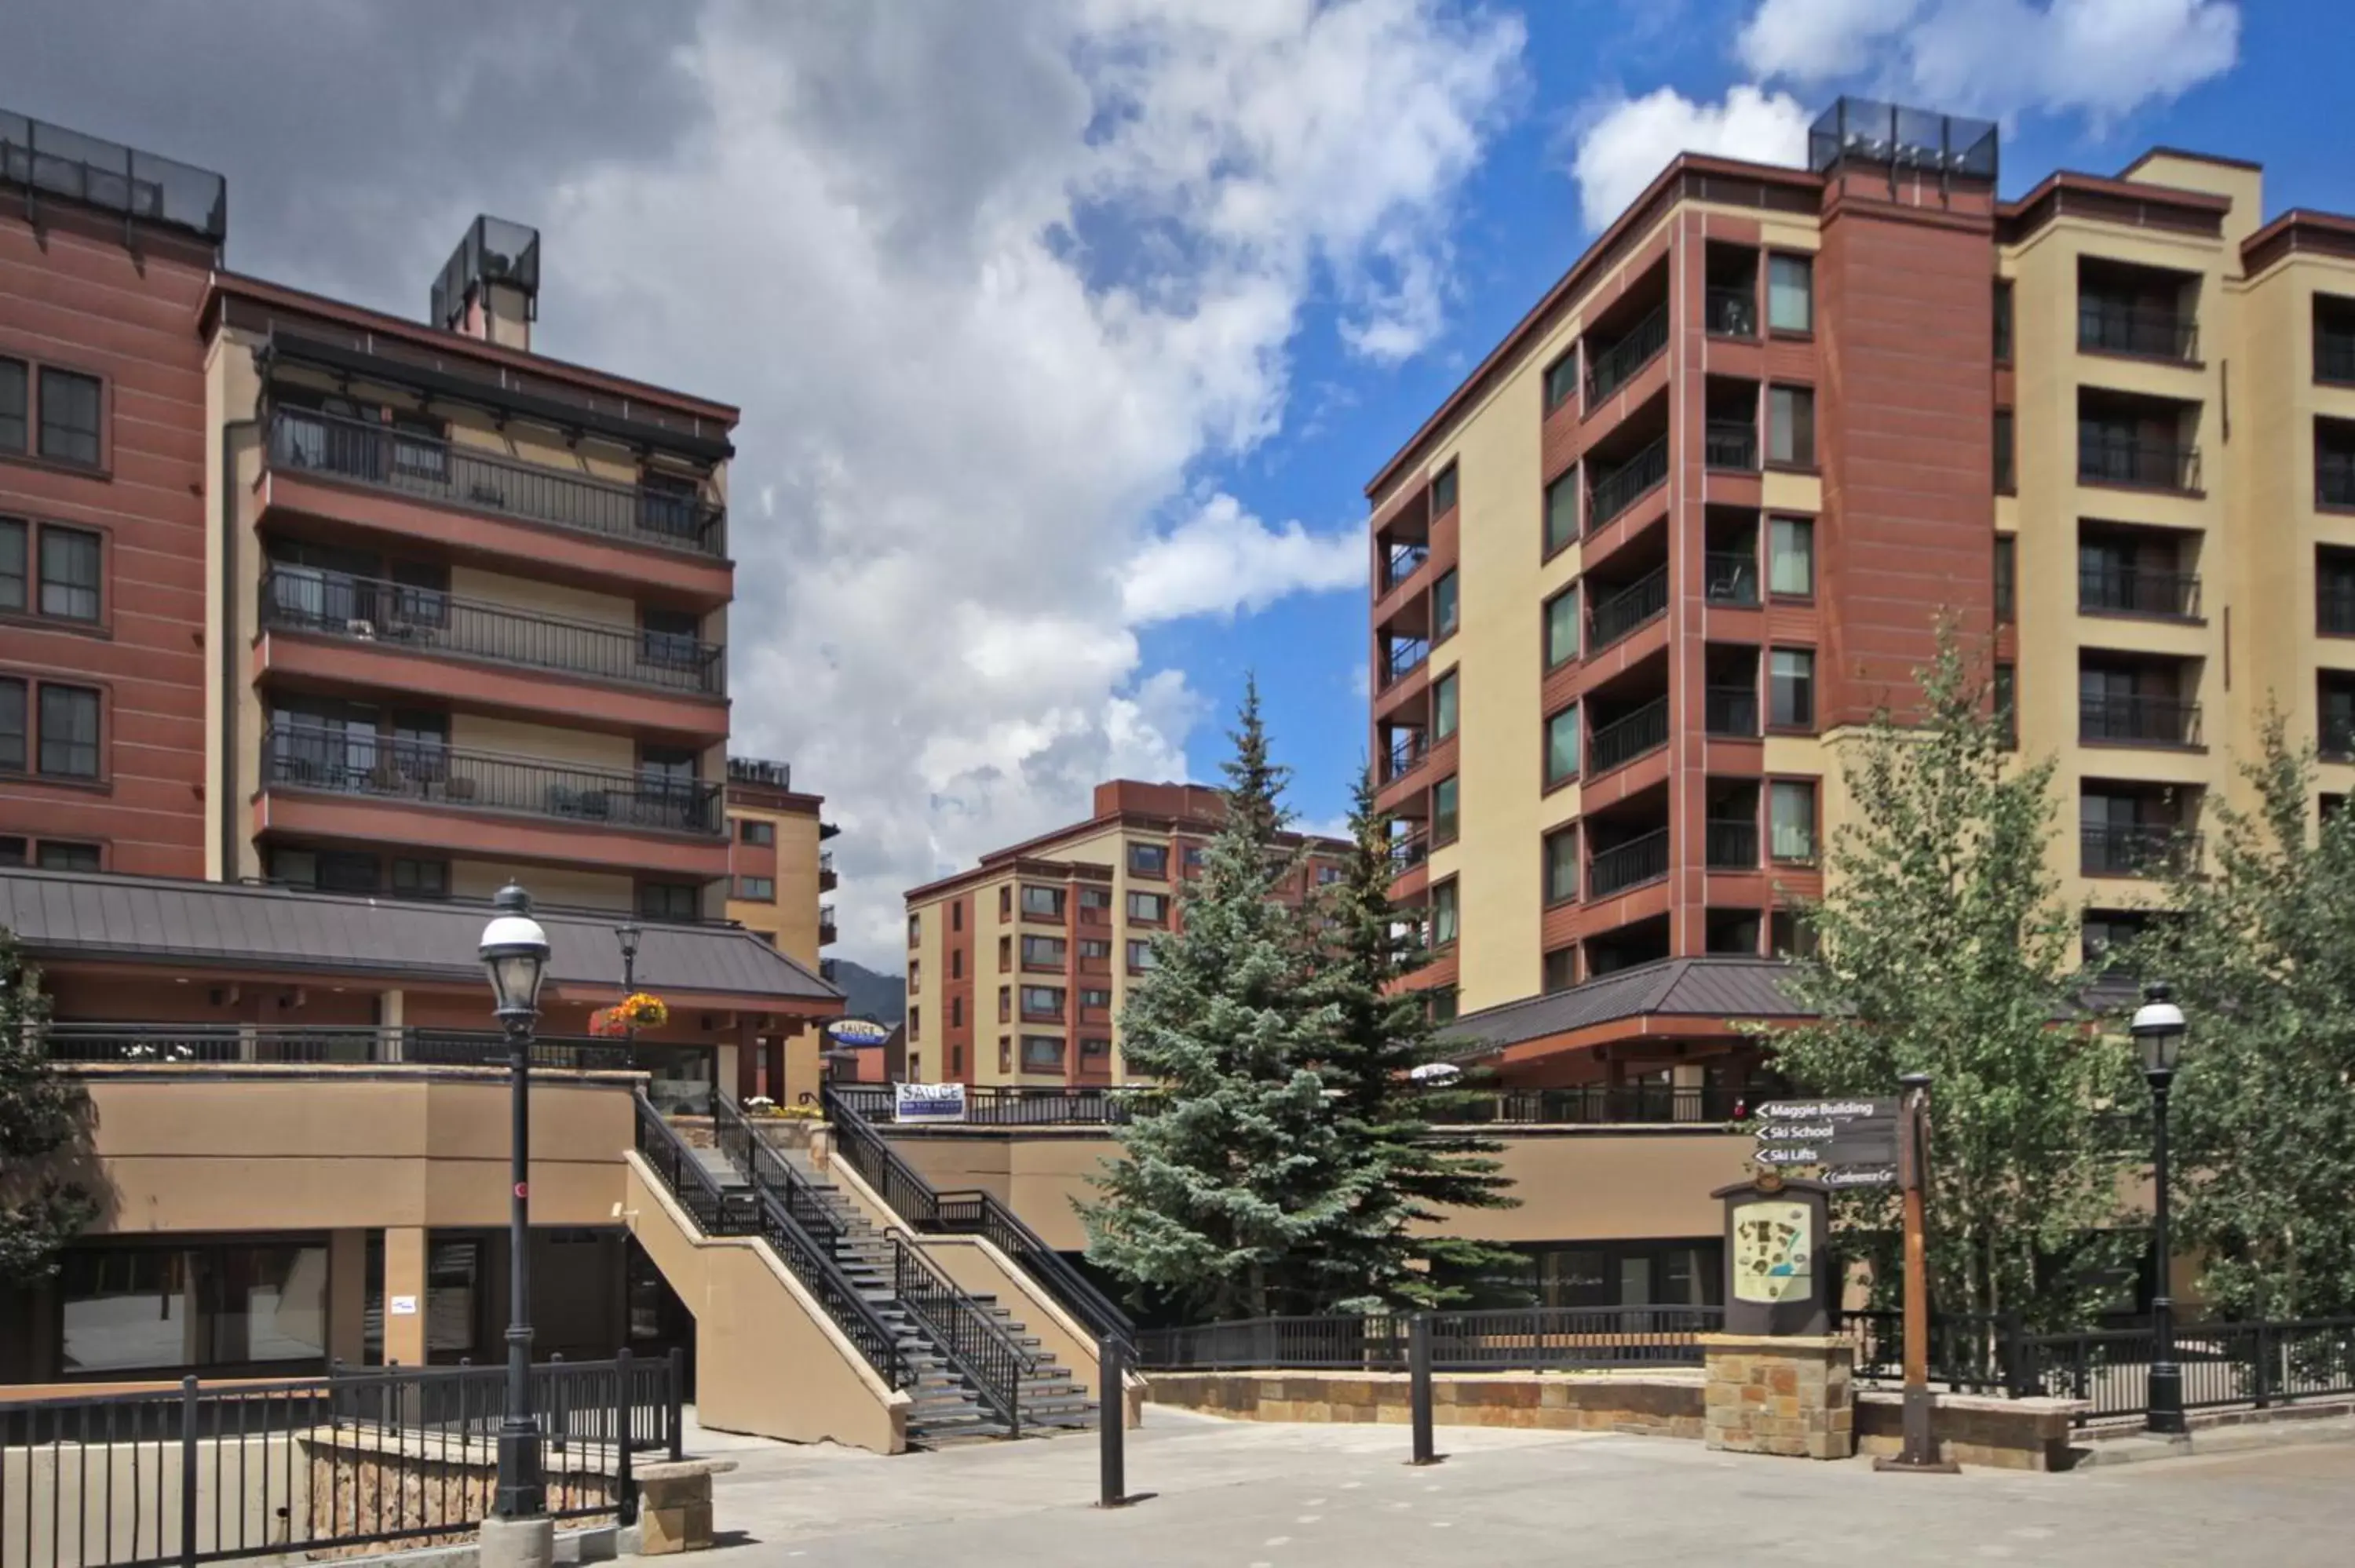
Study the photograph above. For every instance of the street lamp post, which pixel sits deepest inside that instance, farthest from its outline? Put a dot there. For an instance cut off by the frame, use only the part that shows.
(2158, 1029)
(627, 934)
(514, 957)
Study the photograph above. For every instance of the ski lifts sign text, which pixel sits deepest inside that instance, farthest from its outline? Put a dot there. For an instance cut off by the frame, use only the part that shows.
(1854, 1141)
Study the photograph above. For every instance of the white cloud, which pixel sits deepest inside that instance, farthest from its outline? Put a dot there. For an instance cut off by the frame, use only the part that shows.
(1623, 149)
(1815, 40)
(1222, 559)
(2102, 57)
(991, 283)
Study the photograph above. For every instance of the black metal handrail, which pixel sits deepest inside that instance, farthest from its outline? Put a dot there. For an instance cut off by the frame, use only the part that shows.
(1731, 711)
(1613, 367)
(1614, 491)
(1731, 576)
(398, 615)
(365, 762)
(1402, 562)
(1730, 844)
(2136, 849)
(1490, 1339)
(1730, 312)
(2149, 332)
(1628, 738)
(2113, 457)
(1402, 657)
(1642, 859)
(979, 1347)
(1731, 444)
(2334, 478)
(1610, 619)
(2131, 590)
(2128, 716)
(363, 1044)
(384, 457)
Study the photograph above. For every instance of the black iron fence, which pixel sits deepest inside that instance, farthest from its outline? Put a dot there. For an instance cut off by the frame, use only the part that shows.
(1628, 738)
(2136, 849)
(1402, 656)
(1593, 1103)
(1731, 711)
(1731, 444)
(388, 457)
(221, 1043)
(2116, 326)
(1643, 858)
(1731, 576)
(1731, 844)
(1537, 1339)
(2131, 590)
(2110, 457)
(1613, 367)
(1613, 616)
(2130, 717)
(398, 615)
(316, 1466)
(346, 761)
(1402, 562)
(1615, 489)
(1730, 312)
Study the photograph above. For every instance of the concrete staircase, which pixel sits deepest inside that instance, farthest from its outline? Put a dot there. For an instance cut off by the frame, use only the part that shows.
(944, 1406)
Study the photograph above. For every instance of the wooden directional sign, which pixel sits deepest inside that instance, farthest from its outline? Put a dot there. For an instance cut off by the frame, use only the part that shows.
(1853, 1142)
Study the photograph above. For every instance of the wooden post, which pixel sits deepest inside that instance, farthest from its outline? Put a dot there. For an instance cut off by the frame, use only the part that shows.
(1921, 1450)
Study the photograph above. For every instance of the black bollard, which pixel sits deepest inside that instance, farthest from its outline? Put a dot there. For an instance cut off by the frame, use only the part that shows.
(1418, 1372)
(1111, 1421)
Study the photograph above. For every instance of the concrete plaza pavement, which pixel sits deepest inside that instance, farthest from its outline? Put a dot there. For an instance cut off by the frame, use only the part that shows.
(1261, 1494)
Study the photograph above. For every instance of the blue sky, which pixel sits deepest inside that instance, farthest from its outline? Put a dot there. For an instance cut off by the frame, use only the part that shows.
(1518, 226)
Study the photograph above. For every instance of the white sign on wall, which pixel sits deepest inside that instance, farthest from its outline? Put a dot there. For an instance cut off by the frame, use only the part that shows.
(928, 1102)
(404, 1307)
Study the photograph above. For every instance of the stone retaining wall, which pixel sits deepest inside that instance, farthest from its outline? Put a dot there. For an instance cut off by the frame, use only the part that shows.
(1973, 1429)
(1787, 1395)
(1657, 1404)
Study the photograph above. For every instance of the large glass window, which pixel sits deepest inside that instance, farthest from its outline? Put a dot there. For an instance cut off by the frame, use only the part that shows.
(1562, 745)
(757, 889)
(1042, 1054)
(1562, 511)
(1149, 860)
(1791, 807)
(1561, 380)
(1791, 426)
(1042, 903)
(1140, 956)
(1562, 865)
(1042, 1001)
(69, 406)
(1444, 606)
(2006, 482)
(12, 406)
(1561, 627)
(2006, 584)
(2003, 323)
(1442, 492)
(58, 854)
(667, 900)
(69, 732)
(12, 725)
(1790, 294)
(1443, 707)
(756, 833)
(1792, 679)
(15, 536)
(1044, 952)
(1444, 811)
(1790, 556)
(1443, 915)
(142, 1308)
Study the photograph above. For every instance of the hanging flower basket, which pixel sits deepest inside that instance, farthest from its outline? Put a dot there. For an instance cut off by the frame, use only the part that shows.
(639, 1010)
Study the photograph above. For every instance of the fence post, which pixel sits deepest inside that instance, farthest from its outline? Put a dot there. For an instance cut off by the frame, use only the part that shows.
(674, 1393)
(2015, 1356)
(625, 1483)
(1418, 1362)
(1111, 1424)
(2264, 1366)
(188, 1471)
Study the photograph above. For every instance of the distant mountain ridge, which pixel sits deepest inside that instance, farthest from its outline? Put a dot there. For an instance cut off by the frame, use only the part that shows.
(866, 994)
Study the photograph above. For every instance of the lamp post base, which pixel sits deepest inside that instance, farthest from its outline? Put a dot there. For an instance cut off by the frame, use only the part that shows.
(1920, 1454)
(518, 1542)
(2165, 1413)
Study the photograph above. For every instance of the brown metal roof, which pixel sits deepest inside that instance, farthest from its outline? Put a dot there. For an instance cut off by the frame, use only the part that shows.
(1717, 988)
(58, 915)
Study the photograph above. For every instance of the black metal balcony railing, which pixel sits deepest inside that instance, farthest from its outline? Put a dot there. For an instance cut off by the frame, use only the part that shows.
(1731, 576)
(1409, 849)
(2115, 326)
(1402, 562)
(2136, 719)
(1731, 845)
(1631, 864)
(203, 1044)
(1731, 711)
(1403, 657)
(1611, 618)
(387, 767)
(1624, 739)
(1404, 754)
(2137, 849)
(2334, 606)
(368, 610)
(1613, 367)
(1731, 444)
(2334, 355)
(388, 457)
(1731, 313)
(1614, 491)
(2334, 478)
(2131, 590)
(2116, 458)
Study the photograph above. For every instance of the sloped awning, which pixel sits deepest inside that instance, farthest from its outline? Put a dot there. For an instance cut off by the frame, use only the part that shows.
(1716, 991)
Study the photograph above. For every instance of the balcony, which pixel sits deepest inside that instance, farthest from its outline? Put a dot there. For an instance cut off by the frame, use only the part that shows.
(1409, 849)
(427, 621)
(1403, 755)
(381, 457)
(2137, 849)
(1730, 846)
(1631, 864)
(207, 1043)
(365, 764)
(1731, 576)
(826, 879)
(1613, 367)
(1731, 444)
(2106, 325)
(1730, 312)
(1403, 657)
(2131, 590)
(826, 926)
(2113, 457)
(1621, 487)
(1620, 742)
(2120, 718)
(1613, 619)
(2334, 478)
(1730, 712)
(1402, 562)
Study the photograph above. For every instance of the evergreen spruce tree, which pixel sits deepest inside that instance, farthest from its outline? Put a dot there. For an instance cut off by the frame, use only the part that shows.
(1384, 1114)
(1232, 1173)
(40, 1116)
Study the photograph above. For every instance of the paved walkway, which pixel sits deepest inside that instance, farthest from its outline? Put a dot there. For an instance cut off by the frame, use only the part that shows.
(1260, 1495)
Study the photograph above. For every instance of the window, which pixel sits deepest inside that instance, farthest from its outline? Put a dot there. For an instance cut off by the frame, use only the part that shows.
(667, 900)
(1005, 954)
(1196, 857)
(1788, 936)
(1327, 874)
(69, 732)
(1042, 1054)
(154, 1308)
(2005, 716)
(1442, 492)
(1561, 380)
(2005, 481)
(1042, 903)
(420, 878)
(1443, 811)
(1443, 707)
(1006, 903)
(915, 1022)
(1042, 1000)
(1149, 860)
(12, 405)
(1444, 606)
(1790, 294)
(12, 725)
(957, 913)
(1442, 915)
(1792, 681)
(1090, 948)
(758, 833)
(1791, 426)
(2002, 323)
(1562, 745)
(1562, 628)
(956, 1012)
(1042, 952)
(1005, 1053)
(11, 849)
(1140, 958)
(1097, 998)
(1790, 556)
(759, 889)
(956, 963)
(1148, 909)
(1562, 865)
(1442, 1004)
(670, 638)
(59, 855)
(956, 1061)
(70, 405)
(1005, 1004)
(1790, 804)
(1095, 897)
(915, 929)
(1562, 511)
(1099, 1048)
(2006, 568)
(1560, 970)
(15, 536)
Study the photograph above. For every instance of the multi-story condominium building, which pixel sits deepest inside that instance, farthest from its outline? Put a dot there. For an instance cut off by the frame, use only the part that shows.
(779, 873)
(1696, 519)
(1018, 969)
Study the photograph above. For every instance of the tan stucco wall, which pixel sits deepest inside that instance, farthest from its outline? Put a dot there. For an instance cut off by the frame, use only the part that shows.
(547, 884)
